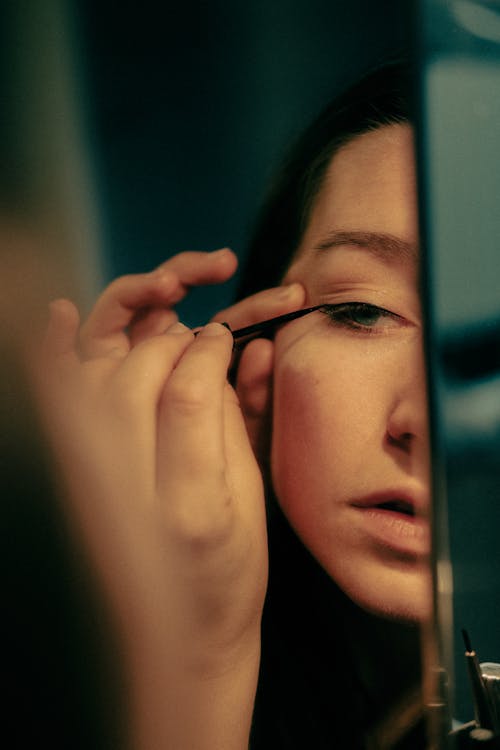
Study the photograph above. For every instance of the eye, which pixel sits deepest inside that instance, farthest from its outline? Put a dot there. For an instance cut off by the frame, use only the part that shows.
(362, 316)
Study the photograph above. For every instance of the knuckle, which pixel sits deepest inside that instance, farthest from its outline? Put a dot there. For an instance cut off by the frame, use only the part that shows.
(204, 524)
(188, 397)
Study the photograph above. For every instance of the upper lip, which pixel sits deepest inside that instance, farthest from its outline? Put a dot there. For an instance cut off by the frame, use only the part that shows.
(413, 502)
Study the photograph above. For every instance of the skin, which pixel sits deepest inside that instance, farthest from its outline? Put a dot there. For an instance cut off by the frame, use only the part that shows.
(349, 402)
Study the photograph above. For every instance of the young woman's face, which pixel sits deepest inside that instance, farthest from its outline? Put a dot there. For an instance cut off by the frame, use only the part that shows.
(350, 458)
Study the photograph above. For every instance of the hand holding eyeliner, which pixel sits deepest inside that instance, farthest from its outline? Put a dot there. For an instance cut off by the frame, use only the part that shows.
(266, 328)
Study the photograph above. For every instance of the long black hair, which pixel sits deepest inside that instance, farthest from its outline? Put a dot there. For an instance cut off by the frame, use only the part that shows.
(315, 687)
(382, 97)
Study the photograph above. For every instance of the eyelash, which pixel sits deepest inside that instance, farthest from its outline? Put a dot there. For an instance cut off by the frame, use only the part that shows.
(343, 314)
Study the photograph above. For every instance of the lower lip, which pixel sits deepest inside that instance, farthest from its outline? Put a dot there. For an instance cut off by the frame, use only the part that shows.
(407, 535)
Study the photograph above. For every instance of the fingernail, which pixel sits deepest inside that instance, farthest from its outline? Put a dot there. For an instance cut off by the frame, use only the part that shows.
(290, 290)
(213, 329)
(177, 328)
(221, 251)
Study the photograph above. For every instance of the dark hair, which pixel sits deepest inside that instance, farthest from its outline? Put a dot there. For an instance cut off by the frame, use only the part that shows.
(311, 691)
(382, 97)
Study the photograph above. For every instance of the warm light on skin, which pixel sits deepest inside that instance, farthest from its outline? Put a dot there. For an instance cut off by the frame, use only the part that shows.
(350, 414)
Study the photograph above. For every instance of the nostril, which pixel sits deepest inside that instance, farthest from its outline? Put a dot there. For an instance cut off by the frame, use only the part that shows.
(402, 441)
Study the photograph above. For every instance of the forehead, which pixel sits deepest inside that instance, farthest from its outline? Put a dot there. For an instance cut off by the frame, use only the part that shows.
(369, 189)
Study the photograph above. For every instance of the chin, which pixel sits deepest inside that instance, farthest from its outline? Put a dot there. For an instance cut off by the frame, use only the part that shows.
(400, 595)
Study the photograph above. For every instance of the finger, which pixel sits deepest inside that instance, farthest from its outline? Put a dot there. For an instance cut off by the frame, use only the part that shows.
(133, 394)
(140, 379)
(125, 297)
(62, 330)
(150, 322)
(243, 474)
(254, 389)
(191, 269)
(263, 305)
(56, 360)
(117, 306)
(197, 268)
(191, 460)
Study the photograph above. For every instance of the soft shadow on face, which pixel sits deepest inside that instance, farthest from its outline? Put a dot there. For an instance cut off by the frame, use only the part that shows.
(350, 437)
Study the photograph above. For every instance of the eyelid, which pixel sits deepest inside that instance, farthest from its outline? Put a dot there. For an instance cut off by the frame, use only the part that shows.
(351, 304)
(334, 311)
(357, 303)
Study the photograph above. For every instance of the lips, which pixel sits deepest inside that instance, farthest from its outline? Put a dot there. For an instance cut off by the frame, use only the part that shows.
(395, 520)
(405, 507)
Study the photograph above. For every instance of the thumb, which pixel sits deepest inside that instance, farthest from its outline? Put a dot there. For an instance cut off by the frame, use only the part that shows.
(254, 389)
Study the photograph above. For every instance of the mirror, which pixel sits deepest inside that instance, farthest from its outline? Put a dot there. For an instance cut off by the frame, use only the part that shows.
(460, 106)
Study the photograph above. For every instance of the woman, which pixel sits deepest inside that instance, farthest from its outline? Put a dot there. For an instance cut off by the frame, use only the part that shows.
(358, 412)
(164, 464)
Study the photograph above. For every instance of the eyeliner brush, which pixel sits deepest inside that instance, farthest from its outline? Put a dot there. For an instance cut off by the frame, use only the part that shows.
(265, 328)
(482, 711)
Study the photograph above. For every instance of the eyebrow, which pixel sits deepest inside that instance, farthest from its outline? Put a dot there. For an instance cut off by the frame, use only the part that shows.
(384, 246)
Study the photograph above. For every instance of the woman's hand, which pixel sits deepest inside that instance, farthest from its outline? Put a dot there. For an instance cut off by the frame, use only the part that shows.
(136, 307)
(163, 486)
(165, 490)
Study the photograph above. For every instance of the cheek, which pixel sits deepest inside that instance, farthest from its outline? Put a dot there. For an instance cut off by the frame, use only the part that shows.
(322, 427)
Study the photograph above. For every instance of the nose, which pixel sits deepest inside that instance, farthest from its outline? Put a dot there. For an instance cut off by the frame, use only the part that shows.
(407, 419)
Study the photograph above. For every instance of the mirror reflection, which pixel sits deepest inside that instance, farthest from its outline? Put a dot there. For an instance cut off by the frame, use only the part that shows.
(326, 427)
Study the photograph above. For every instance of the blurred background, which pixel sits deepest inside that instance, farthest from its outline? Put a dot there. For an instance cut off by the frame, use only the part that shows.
(157, 128)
